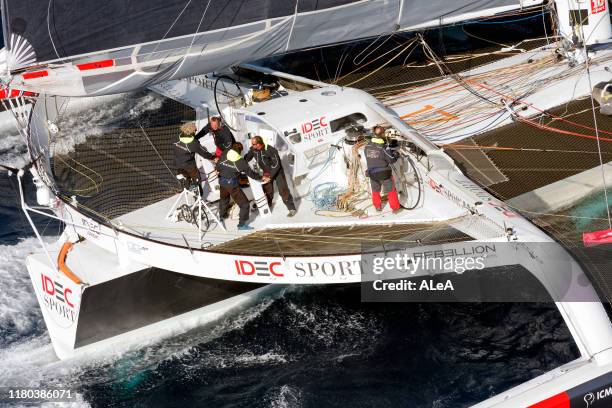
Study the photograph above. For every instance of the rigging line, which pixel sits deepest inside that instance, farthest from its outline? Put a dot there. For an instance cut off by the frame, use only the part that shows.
(511, 21)
(404, 63)
(49, 31)
(369, 62)
(557, 130)
(537, 109)
(295, 14)
(324, 63)
(441, 65)
(382, 66)
(520, 210)
(523, 10)
(483, 39)
(169, 29)
(157, 152)
(502, 148)
(193, 38)
(95, 185)
(372, 51)
(544, 25)
(343, 58)
(603, 173)
(336, 73)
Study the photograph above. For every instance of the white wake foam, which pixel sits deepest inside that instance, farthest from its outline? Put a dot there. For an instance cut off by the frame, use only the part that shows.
(82, 119)
(32, 362)
(97, 115)
(19, 312)
(27, 357)
(13, 150)
(287, 397)
(345, 332)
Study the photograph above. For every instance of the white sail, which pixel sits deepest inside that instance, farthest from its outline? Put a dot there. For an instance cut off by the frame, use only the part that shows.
(93, 48)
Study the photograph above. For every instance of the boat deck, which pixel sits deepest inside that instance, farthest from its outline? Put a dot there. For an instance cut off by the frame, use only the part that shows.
(309, 224)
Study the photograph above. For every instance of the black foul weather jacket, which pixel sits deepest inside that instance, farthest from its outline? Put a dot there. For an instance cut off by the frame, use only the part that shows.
(184, 154)
(230, 170)
(379, 158)
(267, 159)
(223, 137)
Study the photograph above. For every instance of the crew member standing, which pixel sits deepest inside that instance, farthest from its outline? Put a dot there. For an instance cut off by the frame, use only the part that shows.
(223, 137)
(269, 161)
(229, 166)
(379, 160)
(184, 154)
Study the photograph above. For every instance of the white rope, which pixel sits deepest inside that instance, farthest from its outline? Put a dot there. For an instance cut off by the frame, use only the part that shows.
(158, 155)
(370, 52)
(295, 13)
(193, 38)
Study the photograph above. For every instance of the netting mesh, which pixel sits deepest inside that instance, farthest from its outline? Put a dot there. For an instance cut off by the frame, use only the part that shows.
(421, 71)
(112, 165)
(538, 157)
(340, 240)
(530, 157)
(567, 229)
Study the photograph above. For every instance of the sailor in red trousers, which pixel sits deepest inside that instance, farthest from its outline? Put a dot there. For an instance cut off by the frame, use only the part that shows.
(379, 159)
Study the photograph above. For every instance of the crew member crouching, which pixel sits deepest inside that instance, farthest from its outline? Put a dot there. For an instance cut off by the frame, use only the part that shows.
(229, 166)
(379, 160)
(184, 155)
(269, 161)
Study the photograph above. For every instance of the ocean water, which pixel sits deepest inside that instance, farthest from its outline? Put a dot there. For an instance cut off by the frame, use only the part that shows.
(593, 207)
(307, 347)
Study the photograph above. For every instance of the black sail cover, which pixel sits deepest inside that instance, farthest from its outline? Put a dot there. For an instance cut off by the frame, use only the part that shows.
(147, 41)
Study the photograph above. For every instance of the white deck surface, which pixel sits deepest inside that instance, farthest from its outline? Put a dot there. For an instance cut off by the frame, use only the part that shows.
(151, 221)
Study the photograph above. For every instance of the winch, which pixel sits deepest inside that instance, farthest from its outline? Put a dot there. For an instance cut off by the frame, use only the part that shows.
(354, 135)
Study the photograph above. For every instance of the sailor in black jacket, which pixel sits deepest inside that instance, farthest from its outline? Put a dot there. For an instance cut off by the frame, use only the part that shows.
(269, 161)
(379, 160)
(223, 137)
(229, 166)
(184, 154)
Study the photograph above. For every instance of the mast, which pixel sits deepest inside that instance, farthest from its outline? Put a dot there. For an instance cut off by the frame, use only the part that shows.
(584, 23)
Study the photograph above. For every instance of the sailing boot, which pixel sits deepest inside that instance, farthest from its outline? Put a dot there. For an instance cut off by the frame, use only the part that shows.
(394, 201)
(376, 200)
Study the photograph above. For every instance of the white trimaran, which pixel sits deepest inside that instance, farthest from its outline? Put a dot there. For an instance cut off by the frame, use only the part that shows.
(148, 272)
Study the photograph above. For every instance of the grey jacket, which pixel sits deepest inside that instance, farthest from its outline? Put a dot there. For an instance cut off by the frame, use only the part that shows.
(379, 158)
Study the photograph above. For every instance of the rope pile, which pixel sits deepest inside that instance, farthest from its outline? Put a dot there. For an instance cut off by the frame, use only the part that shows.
(325, 195)
(354, 194)
(330, 196)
